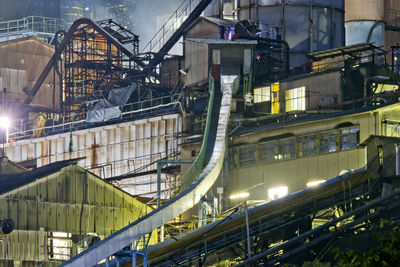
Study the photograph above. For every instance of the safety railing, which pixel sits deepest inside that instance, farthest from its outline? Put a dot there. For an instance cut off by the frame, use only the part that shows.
(32, 24)
(170, 26)
(21, 130)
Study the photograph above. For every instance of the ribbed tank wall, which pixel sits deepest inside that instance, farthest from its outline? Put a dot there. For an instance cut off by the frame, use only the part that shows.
(307, 25)
(365, 22)
(392, 19)
(364, 10)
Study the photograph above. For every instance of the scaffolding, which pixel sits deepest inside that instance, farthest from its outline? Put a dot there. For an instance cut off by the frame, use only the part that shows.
(90, 60)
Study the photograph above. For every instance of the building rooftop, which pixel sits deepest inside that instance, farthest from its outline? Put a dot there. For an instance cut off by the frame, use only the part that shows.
(13, 181)
(223, 41)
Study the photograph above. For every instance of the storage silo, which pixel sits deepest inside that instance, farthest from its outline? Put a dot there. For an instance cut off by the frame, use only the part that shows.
(307, 25)
(364, 22)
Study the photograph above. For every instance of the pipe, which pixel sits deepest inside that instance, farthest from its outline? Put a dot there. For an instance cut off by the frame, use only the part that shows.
(320, 228)
(397, 159)
(372, 30)
(6, 226)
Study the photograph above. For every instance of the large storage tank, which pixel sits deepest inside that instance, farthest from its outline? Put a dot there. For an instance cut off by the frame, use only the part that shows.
(307, 25)
(365, 22)
(392, 19)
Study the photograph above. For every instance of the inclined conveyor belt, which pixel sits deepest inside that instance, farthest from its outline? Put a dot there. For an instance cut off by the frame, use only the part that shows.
(198, 185)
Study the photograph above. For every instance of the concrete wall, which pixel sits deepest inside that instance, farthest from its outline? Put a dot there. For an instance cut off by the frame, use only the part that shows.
(108, 150)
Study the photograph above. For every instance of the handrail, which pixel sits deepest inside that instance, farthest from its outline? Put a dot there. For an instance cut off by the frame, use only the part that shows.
(159, 38)
(69, 122)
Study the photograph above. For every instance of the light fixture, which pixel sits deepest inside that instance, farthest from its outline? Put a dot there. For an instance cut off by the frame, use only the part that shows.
(239, 195)
(278, 192)
(4, 122)
(315, 183)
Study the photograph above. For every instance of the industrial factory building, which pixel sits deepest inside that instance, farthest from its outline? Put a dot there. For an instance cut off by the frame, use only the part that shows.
(236, 133)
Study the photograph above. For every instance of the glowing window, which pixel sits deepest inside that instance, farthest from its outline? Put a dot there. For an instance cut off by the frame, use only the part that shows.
(262, 94)
(278, 192)
(296, 99)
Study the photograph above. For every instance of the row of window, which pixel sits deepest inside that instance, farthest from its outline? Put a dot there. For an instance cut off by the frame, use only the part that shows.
(296, 147)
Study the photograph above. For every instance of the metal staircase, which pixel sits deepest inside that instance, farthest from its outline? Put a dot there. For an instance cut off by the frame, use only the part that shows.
(168, 35)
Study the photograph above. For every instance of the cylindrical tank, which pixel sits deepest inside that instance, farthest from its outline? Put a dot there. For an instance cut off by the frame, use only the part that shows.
(307, 25)
(392, 19)
(364, 22)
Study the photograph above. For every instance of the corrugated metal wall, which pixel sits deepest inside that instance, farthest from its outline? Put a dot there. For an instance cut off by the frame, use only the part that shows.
(110, 150)
(70, 201)
(24, 245)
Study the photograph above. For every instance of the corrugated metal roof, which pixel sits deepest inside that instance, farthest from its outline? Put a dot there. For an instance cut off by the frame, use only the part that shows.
(223, 41)
(13, 181)
(346, 50)
(25, 39)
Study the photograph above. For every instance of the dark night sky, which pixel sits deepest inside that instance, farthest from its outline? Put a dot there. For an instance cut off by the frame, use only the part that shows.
(16, 9)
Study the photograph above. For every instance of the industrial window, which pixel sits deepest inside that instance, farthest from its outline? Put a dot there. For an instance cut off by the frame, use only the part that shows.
(287, 149)
(350, 138)
(262, 94)
(296, 99)
(307, 146)
(392, 130)
(327, 143)
(247, 156)
(268, 154)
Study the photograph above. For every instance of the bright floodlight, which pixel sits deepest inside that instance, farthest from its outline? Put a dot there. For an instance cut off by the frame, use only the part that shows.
(239, 195)
(315, 183)
(278, 192)
(4, 122)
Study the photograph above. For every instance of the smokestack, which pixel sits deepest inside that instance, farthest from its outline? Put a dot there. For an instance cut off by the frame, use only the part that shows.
(364, 22)
(215, 9)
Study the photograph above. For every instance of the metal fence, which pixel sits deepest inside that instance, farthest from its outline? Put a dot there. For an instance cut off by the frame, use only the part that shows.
(27, 130)
(28, 26)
